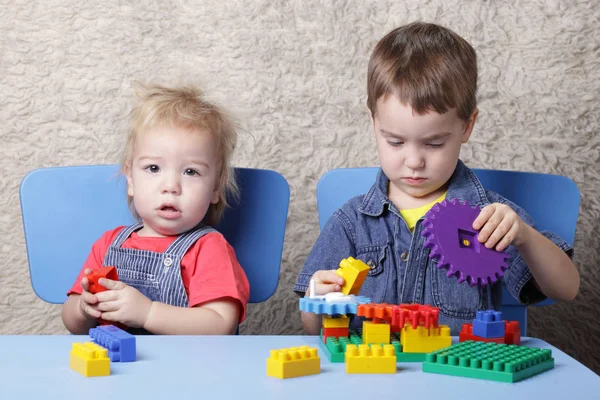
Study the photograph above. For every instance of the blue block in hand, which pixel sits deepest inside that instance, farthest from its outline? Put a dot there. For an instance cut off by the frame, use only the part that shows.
(120, 344)
(488, 324)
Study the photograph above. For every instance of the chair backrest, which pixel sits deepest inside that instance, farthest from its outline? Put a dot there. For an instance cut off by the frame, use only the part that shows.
(66, 209)
(529, 190)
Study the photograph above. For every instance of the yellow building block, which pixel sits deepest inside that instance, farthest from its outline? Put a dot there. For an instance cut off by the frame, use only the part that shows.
(336, 322)
(375, 333)
(374, 359)
(89, 359)
(354, 273)
(293, 362)
(423, 340)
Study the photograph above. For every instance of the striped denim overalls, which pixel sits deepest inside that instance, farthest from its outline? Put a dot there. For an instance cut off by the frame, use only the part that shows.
(156, 275)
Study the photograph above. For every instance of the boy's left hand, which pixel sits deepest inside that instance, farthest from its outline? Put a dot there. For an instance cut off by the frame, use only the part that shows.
(123, 303)
(500, 227)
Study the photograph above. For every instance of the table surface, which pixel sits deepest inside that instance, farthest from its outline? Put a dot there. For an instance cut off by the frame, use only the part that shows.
(235, 367)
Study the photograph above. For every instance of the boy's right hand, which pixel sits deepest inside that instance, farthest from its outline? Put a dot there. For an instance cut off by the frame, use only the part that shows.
(326, 281)
(88, 302)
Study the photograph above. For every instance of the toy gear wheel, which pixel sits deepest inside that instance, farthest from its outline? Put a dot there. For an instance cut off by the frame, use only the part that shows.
(449, 233)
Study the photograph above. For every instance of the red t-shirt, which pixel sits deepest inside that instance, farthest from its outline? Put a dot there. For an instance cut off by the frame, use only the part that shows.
(209, 269)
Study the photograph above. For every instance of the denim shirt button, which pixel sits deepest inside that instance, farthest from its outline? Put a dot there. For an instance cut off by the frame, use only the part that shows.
(371, 264)
(404, 256)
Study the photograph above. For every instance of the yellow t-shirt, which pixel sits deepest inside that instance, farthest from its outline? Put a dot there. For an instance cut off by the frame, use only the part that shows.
(412, 216)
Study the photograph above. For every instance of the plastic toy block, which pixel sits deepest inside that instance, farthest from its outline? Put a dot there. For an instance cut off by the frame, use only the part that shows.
(488, 324)
(120, 344)
(334, 348)
(374, 359)
(398, 315)
(322, 306)
(334, 332)
(375, 333)
(512, 334)
(491, 361)
(89, 359)
(293, 362)
(336, 322)
(104, 272)
(416, 314)
(354, 273)
(423, 340)
(406, 357)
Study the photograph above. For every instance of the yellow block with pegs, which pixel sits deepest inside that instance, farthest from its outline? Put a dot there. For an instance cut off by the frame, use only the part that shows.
(89, 359)
(374, 359)
(423, 340)
(336, 322)
(293, 362)
(354, 273)
(375, 333)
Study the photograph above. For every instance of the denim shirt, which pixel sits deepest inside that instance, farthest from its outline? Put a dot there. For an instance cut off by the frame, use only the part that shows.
(370, 228)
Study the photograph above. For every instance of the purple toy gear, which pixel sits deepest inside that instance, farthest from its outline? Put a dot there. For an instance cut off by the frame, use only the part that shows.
(449, 233)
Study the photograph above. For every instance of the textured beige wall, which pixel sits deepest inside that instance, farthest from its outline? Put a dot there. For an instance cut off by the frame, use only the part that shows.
(294, 72)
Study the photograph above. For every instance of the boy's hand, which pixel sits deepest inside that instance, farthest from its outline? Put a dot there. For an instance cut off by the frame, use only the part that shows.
(123, 303)
(88, 302)
(500, 227)
(326, 281)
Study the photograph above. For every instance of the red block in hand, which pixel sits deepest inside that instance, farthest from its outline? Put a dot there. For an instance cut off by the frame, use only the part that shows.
(104, 272)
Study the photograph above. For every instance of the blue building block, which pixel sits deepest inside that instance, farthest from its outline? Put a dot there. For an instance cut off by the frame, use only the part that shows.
(488, 324)
(120, 344)
(321, 306)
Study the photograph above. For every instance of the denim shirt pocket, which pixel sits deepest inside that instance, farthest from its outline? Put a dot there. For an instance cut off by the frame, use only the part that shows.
(453, 299)
(377, 258)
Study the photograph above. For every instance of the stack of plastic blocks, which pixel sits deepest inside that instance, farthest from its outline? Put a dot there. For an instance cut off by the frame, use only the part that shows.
(335, 326)
(89, 359)
(490, 361)
(373, 359)
(120, 344)
(293, 362)
(488, 326)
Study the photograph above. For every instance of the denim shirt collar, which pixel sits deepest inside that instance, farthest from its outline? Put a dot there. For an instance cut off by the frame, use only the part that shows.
(464, 185)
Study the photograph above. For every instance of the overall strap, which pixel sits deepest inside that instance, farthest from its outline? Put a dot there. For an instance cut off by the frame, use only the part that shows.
(125, 233)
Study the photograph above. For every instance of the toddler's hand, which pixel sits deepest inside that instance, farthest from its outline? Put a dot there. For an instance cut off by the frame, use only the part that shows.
(123, 303)
(326, 281)
(88, 302)
(500, 227)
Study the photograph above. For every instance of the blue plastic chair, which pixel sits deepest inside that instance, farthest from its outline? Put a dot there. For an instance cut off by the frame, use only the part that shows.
(529, 190)
(66, 209)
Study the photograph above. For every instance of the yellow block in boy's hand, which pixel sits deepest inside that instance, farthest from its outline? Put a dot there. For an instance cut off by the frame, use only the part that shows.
(354, 273)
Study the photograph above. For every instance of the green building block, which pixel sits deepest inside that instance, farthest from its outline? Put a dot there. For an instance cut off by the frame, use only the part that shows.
(335, 348)
(491, 361)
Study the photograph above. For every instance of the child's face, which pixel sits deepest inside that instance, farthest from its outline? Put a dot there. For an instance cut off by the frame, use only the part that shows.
(418, 153)
(173, 179)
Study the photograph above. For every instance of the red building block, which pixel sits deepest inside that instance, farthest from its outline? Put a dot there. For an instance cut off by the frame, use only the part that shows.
(334, 332)
(512, 334)
(104, 272)
(95, 287)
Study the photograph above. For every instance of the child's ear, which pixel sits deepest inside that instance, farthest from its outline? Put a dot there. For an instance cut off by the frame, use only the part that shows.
(127, 170)
(215, 196)
(469, 126)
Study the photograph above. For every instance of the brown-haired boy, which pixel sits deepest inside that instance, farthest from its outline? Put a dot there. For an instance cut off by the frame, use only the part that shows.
(422, 86)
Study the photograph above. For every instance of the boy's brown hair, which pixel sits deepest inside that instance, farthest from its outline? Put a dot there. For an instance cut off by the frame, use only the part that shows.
(426, 66)
(186, 106)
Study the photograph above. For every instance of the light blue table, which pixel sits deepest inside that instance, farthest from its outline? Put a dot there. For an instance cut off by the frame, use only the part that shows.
(234, 367)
